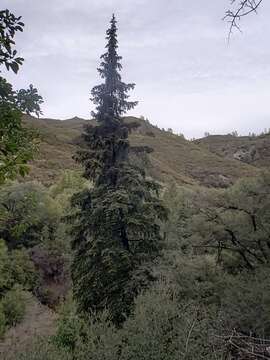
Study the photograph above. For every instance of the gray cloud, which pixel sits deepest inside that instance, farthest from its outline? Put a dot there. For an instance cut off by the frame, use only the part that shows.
(187, 76)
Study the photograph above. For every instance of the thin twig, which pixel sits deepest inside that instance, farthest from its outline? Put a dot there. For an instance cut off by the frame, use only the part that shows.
(244, 8)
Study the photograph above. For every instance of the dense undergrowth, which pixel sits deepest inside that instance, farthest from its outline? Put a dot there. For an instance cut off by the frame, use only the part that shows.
(211, 296)
(191, 285)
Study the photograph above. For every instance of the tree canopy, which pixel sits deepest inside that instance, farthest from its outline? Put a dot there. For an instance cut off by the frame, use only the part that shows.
(18, 144)
(9, 25)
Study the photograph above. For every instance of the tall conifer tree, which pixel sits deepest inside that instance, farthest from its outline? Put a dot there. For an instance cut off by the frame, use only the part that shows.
(115, 228)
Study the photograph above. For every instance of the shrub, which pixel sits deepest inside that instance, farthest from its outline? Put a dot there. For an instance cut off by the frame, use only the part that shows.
(5, 276)
(16, 267)
(13, 304)
(2, 322)
(196, 278)
(164, 328)
(39, 349)
(25, 210)
(22, 269)
(245, 304)
(54, 280)
(70, 327)
(160, 328)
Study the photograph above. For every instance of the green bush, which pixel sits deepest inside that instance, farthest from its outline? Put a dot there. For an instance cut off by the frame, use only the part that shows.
(39, 349)
(16, 267)
(196, 278)
(2, 322)
(13, 304)
(164, 328)
(26, 209)
(23, 271)
(6, 281)
(160, 328)
(70, 328)
(245, 304)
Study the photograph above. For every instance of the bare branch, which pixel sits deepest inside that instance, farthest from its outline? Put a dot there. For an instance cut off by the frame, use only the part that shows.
(240, 9)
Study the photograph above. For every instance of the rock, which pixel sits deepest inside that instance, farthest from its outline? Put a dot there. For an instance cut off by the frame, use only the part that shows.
(247, 155)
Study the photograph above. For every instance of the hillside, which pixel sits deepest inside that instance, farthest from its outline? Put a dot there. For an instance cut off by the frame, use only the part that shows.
(174, 157)
(254, 150)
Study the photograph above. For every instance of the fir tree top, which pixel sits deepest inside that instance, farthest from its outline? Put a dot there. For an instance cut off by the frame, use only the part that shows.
(111, 96)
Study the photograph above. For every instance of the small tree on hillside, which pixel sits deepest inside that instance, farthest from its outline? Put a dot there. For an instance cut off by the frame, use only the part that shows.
(116, 231)
(29, 101)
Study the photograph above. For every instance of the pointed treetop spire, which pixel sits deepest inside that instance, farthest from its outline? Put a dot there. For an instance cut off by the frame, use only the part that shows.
(111, 96)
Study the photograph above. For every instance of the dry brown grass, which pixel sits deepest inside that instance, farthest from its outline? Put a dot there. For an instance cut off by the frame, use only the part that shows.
(226, 145)
(174, 158)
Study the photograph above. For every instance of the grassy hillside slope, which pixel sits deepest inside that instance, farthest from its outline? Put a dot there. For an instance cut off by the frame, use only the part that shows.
(254, 150)
(173, 157)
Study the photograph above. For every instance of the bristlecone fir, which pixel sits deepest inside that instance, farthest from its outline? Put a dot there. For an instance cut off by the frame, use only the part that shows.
(115, 229)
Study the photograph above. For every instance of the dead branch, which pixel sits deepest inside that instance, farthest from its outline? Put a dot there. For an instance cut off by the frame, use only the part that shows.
(241, 9)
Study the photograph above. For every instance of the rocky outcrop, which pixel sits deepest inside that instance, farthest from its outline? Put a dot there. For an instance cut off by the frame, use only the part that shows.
(247, 154)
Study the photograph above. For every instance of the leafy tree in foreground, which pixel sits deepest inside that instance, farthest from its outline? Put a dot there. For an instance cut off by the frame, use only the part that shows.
(116, 231)
(17, 144)
(9, 25)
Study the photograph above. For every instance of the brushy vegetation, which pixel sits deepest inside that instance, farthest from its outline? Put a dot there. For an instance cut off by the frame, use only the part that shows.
(34, 245)
(206, 302)
(209, 294)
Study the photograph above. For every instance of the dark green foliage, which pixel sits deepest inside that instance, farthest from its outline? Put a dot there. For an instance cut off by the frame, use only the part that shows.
(2, 322)
(29, 101)
(111, 96)
(28, 215)
(9, 25)
(71, 328)
(116, 229)
(6, 91)
(16, 267)
(245, 303)
(17, 273)
(198, 308)
(161, 327)
(17, 144)
(13, 304)
(39, 349)
(12, 309)
(38, 244)
(235, 224)
(232, 224)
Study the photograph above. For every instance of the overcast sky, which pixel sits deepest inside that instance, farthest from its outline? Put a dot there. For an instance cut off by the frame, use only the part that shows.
(176, 51)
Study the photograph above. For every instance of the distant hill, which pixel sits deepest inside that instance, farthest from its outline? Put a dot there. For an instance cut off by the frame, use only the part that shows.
(253, 150)
(174, 158)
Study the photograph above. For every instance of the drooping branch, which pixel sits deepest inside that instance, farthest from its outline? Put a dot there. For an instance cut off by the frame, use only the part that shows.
(240, 9)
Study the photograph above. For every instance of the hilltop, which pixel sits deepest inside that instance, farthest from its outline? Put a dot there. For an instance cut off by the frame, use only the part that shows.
(174, 158)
